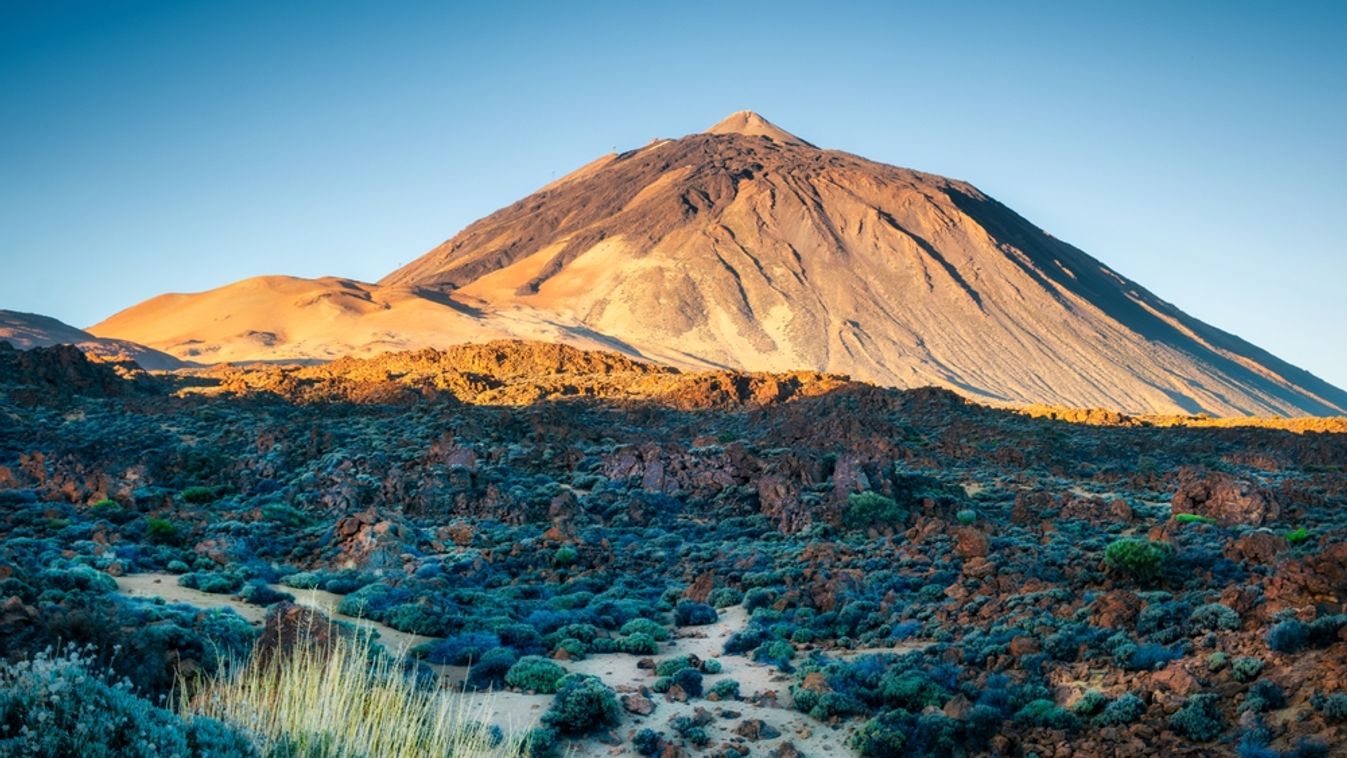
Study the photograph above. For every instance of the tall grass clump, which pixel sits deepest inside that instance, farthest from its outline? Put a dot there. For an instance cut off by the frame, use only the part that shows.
(337, 700)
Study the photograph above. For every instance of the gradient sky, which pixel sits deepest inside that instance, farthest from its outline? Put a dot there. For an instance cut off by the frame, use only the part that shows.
(145, 147)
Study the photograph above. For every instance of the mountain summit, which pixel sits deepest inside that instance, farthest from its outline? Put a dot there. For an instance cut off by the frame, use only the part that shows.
(747, 247)
(750, 124)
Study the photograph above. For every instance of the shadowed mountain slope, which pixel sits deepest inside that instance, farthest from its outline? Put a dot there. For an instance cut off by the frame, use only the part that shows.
(26, 331)
(747, 247)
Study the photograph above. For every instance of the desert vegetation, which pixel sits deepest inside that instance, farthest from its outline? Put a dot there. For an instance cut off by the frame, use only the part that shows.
(707, 567)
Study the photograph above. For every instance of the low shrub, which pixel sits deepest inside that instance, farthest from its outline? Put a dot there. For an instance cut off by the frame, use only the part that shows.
(688, 613)
(724, 597)
(1199, 719)
(53, 706)
(583, 704)
(646, 626)
(1289, 636)
(1213, 617)
(1127, 708)
(869, 508)
(259, 592)
(219, 584)
(490, 671)
(647, 742)
(1140, 559)
(725, 689)
(536, 673)
(161, 531)
(1298, 535)
(1045, 713)
(1333, 706)
(689, 680)
(460, 649)
(639, 643)
(1245, 668)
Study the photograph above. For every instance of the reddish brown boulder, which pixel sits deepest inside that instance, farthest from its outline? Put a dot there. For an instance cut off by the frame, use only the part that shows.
(1224, 498)
(970, 543)
(1113, 610)
(1256, 547)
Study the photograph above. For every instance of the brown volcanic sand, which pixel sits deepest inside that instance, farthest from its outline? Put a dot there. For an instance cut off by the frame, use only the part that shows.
(746, 247)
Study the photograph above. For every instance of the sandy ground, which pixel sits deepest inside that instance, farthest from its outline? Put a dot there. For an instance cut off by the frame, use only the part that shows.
(515, 711)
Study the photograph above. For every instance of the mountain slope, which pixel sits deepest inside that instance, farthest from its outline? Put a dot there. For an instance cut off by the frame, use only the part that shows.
(747, 247)
(29, 330)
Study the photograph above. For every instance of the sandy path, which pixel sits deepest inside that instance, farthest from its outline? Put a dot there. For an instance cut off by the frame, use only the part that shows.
(514, 711)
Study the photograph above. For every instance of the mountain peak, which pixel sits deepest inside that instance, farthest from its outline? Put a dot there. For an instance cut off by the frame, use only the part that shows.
(750, 124)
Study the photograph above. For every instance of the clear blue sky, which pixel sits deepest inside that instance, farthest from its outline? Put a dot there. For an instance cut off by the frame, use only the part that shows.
(147, 147)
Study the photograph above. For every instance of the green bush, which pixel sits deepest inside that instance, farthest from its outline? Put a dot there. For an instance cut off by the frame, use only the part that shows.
(654, 629)
(966, 516)
(1126, 709)
(564, 556)
(724, 597)
(1046, 713)
(1246, 669)
(639, 643)
(534, 672)
(1298, 535)
(881, 737)
(725, 689)
(1193, 518)
(161, 531)
(671, 666)
(869, 508)
(1213, 617)
(1142, 559)
(583, 704)
(1199, 719)
(199, 495)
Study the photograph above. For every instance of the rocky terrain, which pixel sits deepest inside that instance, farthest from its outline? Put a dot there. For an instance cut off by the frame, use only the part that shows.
(750, 563)
(747, 248)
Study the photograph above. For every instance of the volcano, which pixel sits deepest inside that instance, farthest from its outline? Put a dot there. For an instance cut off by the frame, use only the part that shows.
(747, 247)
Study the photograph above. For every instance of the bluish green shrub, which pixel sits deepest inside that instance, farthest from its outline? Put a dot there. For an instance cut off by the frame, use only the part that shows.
(490, 671)
(711, 666)
(219, 584)
(1127, 708)
(1199, 719)
(1090, 704)
(758, 597)
(1289, 636)
(670, 666)
(58, 706)
(1263, 696)
(583, 704)
(689, 680)
(1045, 713)
(639, 643)
(534, 672)
(647, 742)
(259, 592)
(724, 597)
(460, 649)
(1245, 668)
(646, 626)
(1332, 706)
(725, 689)
(688, 613)
(1213, 617)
